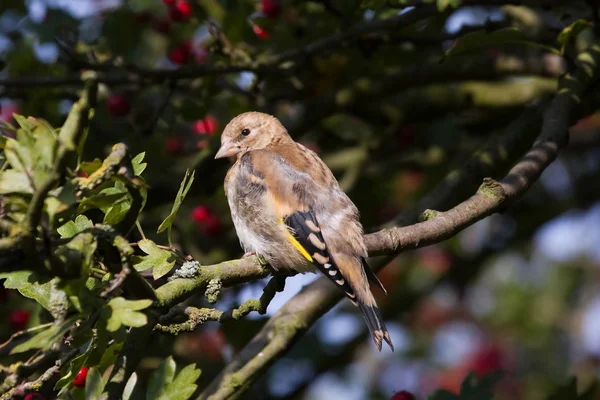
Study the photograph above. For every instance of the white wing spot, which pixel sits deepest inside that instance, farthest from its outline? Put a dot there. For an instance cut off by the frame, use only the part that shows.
(340, 282)
(332, 272)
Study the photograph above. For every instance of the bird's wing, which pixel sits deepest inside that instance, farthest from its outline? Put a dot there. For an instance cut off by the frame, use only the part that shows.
(294, 196)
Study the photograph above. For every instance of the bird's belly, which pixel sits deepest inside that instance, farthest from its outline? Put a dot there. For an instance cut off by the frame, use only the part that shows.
(270, 242)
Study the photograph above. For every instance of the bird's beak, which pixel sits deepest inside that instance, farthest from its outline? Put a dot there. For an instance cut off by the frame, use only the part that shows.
(227, 150)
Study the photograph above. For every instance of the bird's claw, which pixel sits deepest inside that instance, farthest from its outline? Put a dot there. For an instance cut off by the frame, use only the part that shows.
(249, 254)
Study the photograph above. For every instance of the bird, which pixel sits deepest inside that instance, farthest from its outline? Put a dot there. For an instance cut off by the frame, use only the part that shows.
(288, 208)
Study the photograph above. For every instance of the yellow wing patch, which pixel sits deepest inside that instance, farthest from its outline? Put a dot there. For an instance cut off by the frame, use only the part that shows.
(296, 244)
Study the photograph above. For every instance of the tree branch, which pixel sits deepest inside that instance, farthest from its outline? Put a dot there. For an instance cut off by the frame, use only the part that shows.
(294, 318)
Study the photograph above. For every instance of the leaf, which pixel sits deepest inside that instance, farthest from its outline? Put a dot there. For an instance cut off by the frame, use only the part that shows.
(125, 312)
(476, 41)
(14, 181)
(138, 165)
(94, 384)
(130, 386)
(183, 190)
(42, 293)
(161, 260)
(72, 228)
(570, 32)
(17, 279)
(45, 338)
(184, 385)
(160, 378)
(443, 4)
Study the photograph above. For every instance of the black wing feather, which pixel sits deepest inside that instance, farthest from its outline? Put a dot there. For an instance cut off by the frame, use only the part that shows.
(304, 224)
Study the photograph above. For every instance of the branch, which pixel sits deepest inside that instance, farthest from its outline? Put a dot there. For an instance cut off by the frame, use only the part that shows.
(367, 90)
(298, 314)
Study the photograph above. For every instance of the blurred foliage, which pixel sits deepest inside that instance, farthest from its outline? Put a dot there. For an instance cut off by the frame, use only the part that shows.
(392, 108)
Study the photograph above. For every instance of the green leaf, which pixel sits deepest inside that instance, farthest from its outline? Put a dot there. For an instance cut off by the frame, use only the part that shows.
(72, 228)
(161, 260)
(14, 181)
(184, 385)
(45, 338)
(138, 165)
(163, 376)
(125, 312)
(24, 123)
(130, 386)
(183, 190)
(443, 4)
(42, 293)
(17, 154)
(479, 40)
(570, 32)
(17, 279)
(94, 384)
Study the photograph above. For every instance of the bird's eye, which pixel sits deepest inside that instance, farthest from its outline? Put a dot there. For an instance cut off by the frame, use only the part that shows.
(245, 132)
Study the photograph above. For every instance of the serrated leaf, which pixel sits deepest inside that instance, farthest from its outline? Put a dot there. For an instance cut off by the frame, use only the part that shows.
(94, 384)
(72, 228)
(45, 338)
(138, 165)
(129, 387)
(183, 190)
(125, 312)
(571, 32)
(42, 293)
(184, 385)
(17, 279)
(160, 378)
(476, 41)
(162, 261)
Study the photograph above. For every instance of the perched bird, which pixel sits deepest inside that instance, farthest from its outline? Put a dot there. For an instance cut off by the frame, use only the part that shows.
(288, 208)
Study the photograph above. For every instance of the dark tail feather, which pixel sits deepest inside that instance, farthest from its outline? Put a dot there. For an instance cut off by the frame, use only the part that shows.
(379, 332)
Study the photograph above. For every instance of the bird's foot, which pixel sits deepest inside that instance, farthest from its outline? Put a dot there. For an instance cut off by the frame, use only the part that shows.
(249, 254)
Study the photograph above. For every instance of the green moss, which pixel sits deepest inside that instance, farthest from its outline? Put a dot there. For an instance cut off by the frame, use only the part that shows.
(428, 215)
(246, 308)
(491, 188)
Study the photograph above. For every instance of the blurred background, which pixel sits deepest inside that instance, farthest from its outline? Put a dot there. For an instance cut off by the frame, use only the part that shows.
(391, 113)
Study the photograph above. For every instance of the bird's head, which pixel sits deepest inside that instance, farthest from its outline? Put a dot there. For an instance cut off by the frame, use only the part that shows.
(250, 131)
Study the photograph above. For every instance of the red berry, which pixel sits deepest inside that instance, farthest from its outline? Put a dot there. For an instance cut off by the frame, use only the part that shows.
(34, 396)
(181, 54)
(18, 319)
(182, 11)
(174, 145)
(271, 8)
(168, 2)
(260, 32)
(79, 380)
(206, 125)
(201, 214)
(118, 105)
(403, 395)
(487, 359)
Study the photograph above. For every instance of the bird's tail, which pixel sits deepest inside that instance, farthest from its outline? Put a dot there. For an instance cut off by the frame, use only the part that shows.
(376, 326)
